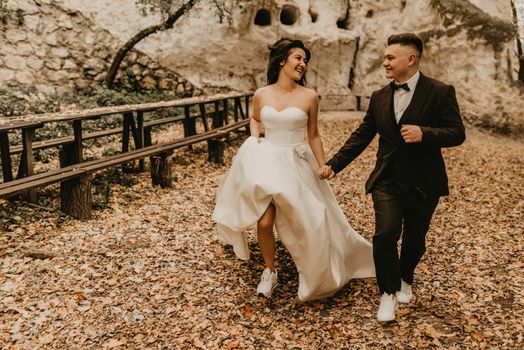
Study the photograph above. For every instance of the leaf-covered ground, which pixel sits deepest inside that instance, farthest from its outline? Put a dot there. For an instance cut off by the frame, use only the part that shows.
(148, 271)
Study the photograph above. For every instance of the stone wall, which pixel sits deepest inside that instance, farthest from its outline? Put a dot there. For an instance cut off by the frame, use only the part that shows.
(58, 50)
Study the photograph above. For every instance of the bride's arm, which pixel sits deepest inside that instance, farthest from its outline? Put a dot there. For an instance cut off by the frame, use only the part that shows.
(255, 125)
(313, 136)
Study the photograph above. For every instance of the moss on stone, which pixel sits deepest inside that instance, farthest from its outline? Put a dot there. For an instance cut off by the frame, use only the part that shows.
(462, 14)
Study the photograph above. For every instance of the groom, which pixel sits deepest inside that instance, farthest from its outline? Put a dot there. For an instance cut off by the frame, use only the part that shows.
(415, 116)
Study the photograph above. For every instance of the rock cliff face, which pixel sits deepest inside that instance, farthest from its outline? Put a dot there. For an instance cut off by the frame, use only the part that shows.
(59, 49)
(471, 44)
(233, 56)
(464, 46)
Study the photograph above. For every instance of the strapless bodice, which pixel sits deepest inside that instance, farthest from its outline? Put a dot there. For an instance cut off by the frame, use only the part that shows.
(285, 127)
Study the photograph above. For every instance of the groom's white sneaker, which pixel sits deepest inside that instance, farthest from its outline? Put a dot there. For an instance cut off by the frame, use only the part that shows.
(387, 308)
(405, 294)
(268, 282)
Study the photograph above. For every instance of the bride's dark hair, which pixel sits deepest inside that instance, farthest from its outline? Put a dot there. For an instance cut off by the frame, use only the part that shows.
(278, 53)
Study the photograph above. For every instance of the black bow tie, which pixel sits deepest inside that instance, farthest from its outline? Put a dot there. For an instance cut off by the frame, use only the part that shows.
(394, 86)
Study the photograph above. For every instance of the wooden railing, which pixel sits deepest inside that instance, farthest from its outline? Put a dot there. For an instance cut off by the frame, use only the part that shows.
(228, 112)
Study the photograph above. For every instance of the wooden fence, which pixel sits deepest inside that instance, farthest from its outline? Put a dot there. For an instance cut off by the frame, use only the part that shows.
(219, 115)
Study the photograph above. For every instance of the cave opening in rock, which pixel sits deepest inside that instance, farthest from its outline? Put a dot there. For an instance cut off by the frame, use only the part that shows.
(369, 14)
(343, 22)
(313, 14)
(289, 15)
(263, 17)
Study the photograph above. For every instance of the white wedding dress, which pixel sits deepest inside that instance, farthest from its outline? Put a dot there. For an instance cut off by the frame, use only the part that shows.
(281, 168)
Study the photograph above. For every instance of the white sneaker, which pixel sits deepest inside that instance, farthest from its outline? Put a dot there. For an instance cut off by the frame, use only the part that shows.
(387, 308)
(268, 282)
(405, 294)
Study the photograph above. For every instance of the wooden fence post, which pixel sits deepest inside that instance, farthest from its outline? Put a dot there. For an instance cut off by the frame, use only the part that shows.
(148, 140)
(161, 169)
(125, 131)
(75, 194)
(247, 106)
(7, 171)
(76, 197)
(26, 167)
(235, 108)
(225, 106)
(240, 110)
(217, 117)
(203, 116)
(139, 142)
(189, 123)
(225, 115)
(247, 114)
(127, 128)
(215, 151)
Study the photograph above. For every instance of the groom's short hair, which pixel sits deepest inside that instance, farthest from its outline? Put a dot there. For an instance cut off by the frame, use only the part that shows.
(407, 39)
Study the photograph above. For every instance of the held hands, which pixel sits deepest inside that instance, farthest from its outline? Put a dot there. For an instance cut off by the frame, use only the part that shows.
(325, 172)
(411, 133)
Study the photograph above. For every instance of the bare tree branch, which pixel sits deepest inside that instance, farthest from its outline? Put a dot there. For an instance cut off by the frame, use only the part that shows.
(124, 50)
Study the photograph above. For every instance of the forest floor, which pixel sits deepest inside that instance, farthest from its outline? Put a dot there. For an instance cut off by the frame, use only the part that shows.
(147, 271)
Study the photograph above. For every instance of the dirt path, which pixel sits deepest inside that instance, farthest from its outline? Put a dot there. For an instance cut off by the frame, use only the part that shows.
(149, 272)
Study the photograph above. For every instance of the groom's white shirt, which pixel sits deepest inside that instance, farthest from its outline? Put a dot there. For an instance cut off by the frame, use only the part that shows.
(402, 98)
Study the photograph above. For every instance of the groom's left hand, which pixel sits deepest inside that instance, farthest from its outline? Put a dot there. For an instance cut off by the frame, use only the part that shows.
(411, 133)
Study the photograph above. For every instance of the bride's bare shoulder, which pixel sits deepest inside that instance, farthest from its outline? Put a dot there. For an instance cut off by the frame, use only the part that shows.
(264, 90)
(309, 94)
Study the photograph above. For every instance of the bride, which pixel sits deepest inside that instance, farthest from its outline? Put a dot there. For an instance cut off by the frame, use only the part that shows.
(273, 182)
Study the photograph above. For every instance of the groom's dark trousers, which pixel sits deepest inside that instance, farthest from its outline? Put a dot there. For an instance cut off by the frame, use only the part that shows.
(408, 179)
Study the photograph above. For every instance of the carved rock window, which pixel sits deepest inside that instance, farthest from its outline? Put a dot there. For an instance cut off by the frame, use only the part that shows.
(263, 17)
(289, 15)
(313, 14)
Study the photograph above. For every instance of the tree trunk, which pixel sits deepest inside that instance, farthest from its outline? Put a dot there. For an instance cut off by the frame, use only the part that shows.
(124, 50)
(520, 50)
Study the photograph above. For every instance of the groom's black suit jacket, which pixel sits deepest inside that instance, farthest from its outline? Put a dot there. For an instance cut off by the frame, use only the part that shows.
(435, 109)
